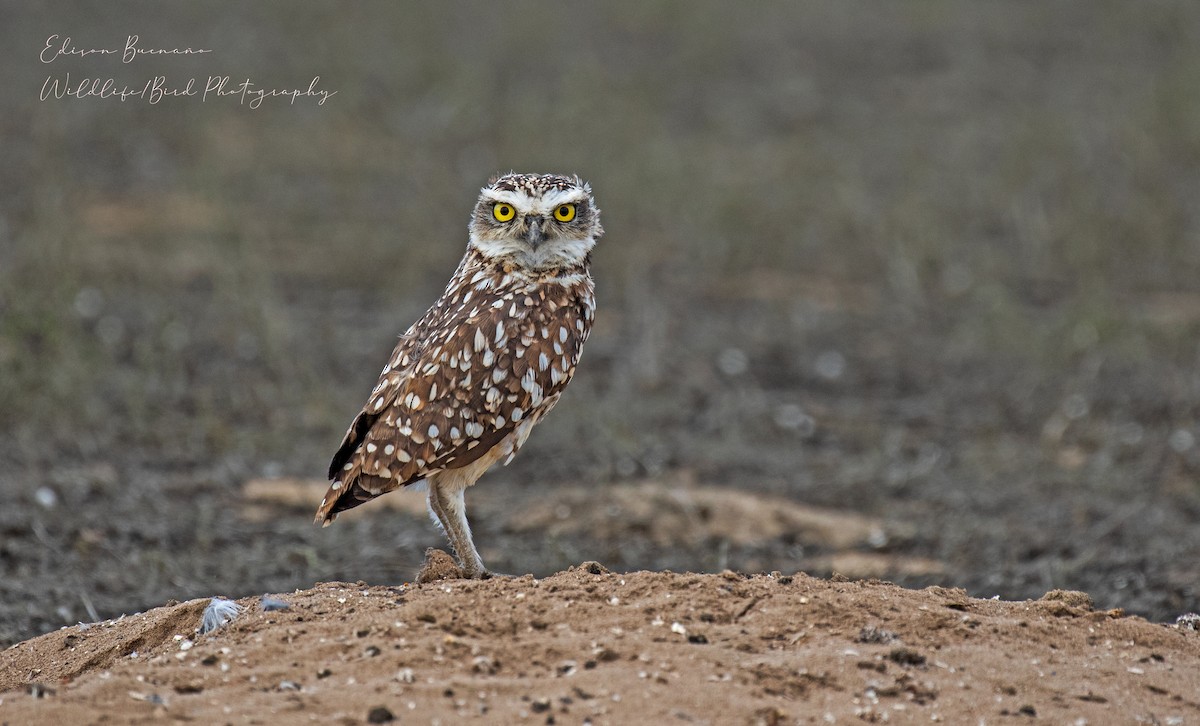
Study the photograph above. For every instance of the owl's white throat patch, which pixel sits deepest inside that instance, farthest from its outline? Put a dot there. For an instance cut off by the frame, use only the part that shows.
(553, 252)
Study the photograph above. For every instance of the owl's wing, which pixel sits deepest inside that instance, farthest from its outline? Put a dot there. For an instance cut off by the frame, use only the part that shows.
(462, 380)
(389, 386)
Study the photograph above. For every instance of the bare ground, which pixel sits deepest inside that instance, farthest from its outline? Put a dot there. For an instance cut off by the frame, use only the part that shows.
(587, 645)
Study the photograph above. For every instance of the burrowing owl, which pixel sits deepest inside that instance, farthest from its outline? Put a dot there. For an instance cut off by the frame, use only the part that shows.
(470, 379)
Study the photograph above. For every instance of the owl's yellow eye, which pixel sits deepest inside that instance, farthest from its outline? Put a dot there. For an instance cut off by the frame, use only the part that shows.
(503, 212)
(565, 212)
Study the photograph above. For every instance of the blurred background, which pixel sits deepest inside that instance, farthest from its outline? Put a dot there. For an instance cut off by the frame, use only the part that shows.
(902, 290)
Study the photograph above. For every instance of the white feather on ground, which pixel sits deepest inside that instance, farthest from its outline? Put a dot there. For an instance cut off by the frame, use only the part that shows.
(218, 613)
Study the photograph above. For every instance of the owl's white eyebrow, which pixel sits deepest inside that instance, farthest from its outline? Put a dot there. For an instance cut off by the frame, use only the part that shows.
(514, 198)
(543, 205)
(565, 196)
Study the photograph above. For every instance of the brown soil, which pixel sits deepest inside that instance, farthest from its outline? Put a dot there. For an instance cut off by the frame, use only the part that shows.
(587, 645)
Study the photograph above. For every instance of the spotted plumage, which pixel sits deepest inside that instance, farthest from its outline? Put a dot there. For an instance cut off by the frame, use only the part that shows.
(469, 380)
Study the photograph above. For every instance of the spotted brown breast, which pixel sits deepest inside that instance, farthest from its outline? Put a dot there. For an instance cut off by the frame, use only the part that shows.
(483, 364)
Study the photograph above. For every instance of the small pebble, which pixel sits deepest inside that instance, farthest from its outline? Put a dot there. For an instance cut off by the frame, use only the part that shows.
(270, 603)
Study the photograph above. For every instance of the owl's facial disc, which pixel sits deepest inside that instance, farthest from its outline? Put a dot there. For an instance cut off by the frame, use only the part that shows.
(535, 226)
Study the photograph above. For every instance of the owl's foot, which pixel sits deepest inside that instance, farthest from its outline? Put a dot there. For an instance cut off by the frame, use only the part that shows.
(448, 507)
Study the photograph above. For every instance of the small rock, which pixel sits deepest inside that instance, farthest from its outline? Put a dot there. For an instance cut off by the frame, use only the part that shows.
(40, 690)
(769, 716)
(46, 497)
(733, 362)
(582, 694)
(1070, 598)
(906, 656)
(380, 714)
(875, 634)
(270, 603)
(606, 655)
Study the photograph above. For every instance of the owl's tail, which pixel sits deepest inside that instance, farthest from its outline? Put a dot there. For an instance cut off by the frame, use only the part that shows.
(341, 497)
(346, 490)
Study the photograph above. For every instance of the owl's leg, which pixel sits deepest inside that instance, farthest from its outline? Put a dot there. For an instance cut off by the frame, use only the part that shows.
(448, 504)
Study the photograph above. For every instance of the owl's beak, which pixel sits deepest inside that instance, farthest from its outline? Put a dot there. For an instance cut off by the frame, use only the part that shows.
(534, 235)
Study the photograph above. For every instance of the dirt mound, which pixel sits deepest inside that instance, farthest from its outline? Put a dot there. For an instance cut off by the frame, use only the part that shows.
(590, 645)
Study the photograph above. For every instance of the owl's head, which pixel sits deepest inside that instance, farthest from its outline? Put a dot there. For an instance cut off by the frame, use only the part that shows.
(536, 221)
